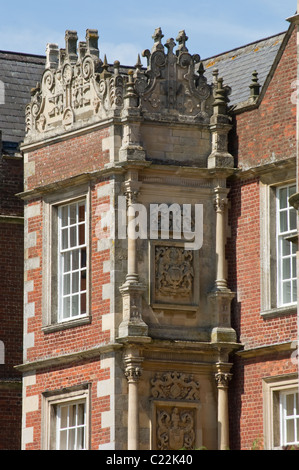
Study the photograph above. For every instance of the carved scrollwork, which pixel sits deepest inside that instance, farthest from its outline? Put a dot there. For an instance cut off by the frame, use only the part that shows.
(175, 385)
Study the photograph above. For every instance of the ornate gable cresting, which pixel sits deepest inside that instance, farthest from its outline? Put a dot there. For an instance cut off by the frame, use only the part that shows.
(172, 88)
(76, 88)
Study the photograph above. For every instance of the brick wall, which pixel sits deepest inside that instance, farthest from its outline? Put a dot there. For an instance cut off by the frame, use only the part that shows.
(51, 164)
(263, 135)
(269, 133)
(11, 301)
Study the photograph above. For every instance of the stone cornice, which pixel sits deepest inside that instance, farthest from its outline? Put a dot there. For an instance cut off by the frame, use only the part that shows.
(66, 359)
(267, 170)
(266, 350)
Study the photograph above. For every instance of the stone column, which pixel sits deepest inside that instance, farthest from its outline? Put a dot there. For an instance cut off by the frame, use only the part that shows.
(132, 290)
(220, 207)
(133, 370)
(221, 296)
(222, 379)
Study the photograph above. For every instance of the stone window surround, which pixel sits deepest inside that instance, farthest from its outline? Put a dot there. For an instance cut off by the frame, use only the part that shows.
(51, 202)
(51, 399)
(272, 387)
(268, 185)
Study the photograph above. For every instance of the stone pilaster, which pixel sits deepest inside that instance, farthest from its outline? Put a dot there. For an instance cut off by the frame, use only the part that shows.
(222, 378)
(133, 370)
(221, 296)
(132, 290)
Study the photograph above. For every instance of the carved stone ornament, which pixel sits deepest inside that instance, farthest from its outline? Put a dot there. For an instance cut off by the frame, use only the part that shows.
(175, 429)
(174, 273)
(78, 88)
(175, 386)
(171, 86)
(75, 86)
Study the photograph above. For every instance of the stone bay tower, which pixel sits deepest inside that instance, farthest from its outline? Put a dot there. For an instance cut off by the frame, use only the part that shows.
(127, 339)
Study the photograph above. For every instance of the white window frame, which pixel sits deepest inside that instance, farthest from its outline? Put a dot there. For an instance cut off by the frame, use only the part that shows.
(51, 407)
(80, 270)
(273, 390)
(284, 418)
(281, 238)
(69, 427)
(51, 284)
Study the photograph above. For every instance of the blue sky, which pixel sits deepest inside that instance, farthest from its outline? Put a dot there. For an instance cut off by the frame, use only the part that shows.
(126, 27)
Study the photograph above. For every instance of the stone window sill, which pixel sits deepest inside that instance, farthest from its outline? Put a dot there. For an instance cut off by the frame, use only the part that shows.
(281, 311)
(66, 325)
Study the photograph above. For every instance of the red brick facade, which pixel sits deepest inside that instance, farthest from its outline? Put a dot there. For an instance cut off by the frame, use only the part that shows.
(11, 301)
(264, 135)
(88, 358)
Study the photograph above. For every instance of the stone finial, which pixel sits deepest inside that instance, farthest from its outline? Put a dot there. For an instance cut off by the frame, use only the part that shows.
(82, 49)
(182, 39)
(254, 86)
(71, 39)
(52, 56)
(105, 73)
(157, 37)
(215, 76)
(92, 38)
(116, 66)
(221, 98)
(170, 44)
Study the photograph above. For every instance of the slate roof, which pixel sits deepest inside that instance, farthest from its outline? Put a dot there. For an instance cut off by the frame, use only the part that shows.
(19, 73)
(236, 66)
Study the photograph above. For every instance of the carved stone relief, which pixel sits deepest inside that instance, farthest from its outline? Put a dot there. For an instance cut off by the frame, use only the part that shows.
(174, 274)
(175, 385)
(176, 411)
(175, 428)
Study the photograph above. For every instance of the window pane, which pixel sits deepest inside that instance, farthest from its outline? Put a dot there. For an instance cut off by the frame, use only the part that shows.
(64, 216)
(73, 214)
(73, 236)
(83, 303)
(283, 222)
(286, 292)
(81, 234)
(297, 403)
(286, 268)
(286, 248)
(82, 212)
(80, 439)
(63, 416)
(83, 258)
(66, 307)
(81, 408)
(75, 305)
(290, 431)
(75, 260)
(290, 405)
(64, 239)
(75, 282)
(67, 262)
(293, 220)
(63, 440)
(72, 439)
(283, 197)
(66, 284)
